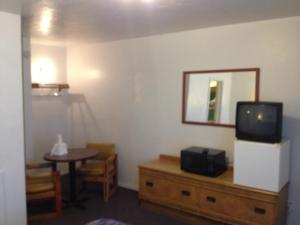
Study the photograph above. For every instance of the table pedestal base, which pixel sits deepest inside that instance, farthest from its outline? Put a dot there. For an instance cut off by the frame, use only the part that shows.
(73, 202)
(78, 204)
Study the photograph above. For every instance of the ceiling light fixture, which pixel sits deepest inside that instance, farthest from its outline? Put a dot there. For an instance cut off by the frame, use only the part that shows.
(147, 1)
(46, 19)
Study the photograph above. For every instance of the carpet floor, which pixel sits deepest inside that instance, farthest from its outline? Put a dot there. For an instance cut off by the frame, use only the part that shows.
(122, 206)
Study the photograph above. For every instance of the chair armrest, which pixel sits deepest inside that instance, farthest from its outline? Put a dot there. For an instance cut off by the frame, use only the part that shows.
(111, 159)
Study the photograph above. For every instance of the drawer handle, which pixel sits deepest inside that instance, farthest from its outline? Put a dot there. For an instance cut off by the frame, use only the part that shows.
(149, 184)
(185, 193)
(211, 199)
(259, 211)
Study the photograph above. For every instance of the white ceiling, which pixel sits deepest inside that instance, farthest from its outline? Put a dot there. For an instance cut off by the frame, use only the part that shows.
(107, 20)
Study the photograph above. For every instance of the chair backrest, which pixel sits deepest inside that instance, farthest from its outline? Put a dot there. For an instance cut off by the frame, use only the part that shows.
(39, 172)
(105, 150)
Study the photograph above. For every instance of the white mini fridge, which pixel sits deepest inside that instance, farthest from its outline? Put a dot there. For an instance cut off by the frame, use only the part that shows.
(261, 165)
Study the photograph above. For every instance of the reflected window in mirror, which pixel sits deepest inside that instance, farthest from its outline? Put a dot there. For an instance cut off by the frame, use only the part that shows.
(214, 102)
(210, 97)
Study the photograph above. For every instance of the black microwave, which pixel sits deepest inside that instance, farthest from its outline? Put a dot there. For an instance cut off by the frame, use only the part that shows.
(203, 161)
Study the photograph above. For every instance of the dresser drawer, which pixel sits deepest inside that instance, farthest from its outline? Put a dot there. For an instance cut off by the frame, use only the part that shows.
(199, 199)
(154, 188)
(247, 211)
(164, 190)
(184, 195)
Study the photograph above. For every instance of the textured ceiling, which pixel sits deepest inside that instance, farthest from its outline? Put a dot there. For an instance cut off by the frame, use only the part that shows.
(73, 21)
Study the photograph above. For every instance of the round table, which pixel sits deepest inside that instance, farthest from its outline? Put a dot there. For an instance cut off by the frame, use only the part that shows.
(74, 154)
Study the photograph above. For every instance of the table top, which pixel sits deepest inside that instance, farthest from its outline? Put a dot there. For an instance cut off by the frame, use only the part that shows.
(74, 154)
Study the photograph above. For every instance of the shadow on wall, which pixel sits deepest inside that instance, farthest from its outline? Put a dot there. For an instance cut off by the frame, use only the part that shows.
(82, 125)
(49, 118)
(291, 130)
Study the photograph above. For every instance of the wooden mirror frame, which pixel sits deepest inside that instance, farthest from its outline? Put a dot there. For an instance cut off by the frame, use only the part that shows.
(187, 73)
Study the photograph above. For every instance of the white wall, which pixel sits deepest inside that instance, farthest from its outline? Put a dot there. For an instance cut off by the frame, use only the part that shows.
(129, 92)
(49, 113)
(11, 129)
(241, 92)
(27, 98)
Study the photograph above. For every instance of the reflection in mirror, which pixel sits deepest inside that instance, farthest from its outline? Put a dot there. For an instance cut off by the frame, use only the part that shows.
(210, 97)
(214, 107)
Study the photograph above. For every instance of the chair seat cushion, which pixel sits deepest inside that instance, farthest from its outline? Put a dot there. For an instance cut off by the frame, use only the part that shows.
(35, 188)
(93, 169)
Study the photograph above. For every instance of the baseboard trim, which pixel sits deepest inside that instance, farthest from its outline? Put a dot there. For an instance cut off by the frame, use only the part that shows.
(128, 186)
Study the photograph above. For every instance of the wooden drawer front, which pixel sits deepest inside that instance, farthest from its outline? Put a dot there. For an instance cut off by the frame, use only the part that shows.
(155, 188)
(246, 210)
(184, 195)
(163, 190)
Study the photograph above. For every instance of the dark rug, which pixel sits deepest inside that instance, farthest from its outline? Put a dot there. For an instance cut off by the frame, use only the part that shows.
(122, 206)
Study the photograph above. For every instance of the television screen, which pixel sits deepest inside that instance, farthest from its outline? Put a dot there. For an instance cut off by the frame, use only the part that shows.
(259, 121)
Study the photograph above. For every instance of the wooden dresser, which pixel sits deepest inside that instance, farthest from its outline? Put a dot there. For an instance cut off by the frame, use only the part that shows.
(196, 199)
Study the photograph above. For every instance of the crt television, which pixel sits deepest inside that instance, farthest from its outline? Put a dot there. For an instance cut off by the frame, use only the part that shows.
(259, 121)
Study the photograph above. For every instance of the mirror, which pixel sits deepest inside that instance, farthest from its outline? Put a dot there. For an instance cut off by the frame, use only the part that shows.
(210, 96)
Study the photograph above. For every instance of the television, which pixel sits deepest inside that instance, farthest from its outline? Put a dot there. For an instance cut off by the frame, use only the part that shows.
(259, 121)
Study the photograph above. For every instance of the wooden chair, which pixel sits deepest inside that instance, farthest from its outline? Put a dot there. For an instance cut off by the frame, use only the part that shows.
(41, 186)
(101, 169)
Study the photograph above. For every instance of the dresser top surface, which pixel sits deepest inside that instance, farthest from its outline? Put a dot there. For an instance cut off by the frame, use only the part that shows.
(171, 165)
